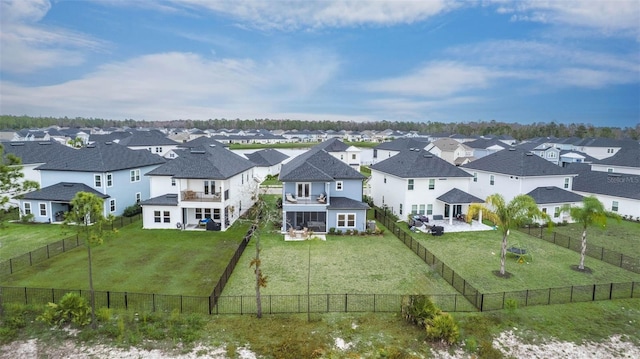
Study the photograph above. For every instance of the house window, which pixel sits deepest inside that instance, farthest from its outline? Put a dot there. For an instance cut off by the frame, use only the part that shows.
(97, 180)
(614, 206)
(475, 176)
(610, 170)
(207, 213)
(112, 205)
(43, 209)
(339, 185)
(173, 182)
(135, 175)
(400, 208)
(492, 180)
(566, 182)
(346, 219)
(421, 209)
(552, 155)
(138, 197)
(109, 179)
(209, 187)
(27, 208)
(216, 213)
(544, 210)
(414, 208)
(429, 209)
(342, 157)
(353, 156)
(410, 185)
(167, 217)
(198, 213)
(304, 190)
(432, 183)
(158, 149)
(556, 212)
(156, 217)
(385, 180)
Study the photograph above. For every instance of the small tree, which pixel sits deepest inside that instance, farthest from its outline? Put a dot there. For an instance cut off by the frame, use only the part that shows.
(591, 213)
(86, 216)
(521, 209)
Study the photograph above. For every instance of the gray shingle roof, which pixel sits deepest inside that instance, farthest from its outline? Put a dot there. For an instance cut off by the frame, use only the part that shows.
(102, 157)
(418, 164)
(611, 184)
(346, 203)
(332, 145)
(457, 196)
(204, 163)
(202, 141)
(31, 152)
(517, 162)
(170, 199)
(486, 143)
(61, 192)
(402, 144)
(626, 156)
(552, 194)
(147, 138)
(317, 165)
(267, 157)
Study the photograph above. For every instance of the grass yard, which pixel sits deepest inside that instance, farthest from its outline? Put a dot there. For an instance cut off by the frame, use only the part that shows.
(474, 255)
(19, 238)
(142, 261)
(341, 264)
(623, 236)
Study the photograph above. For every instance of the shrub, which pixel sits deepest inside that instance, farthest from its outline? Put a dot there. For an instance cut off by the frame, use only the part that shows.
(27, 218)
(332, 230)
(419, 310)
(132, 210)
(443, 327)
(355, 232)
(71, 309)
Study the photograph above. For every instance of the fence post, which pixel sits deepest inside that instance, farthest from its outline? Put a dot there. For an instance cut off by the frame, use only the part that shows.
(26, 299)
(48, 251)
(30, 260)
(374, 303)
(10, 265)
(526, 298)
(180, 303)
(126, 301)
(345, 302)
(327, 303)
(53, 296)
(549, 297)
(571, 296)
(108, 299)
(481, 302)
(610, 291)
(593, 294)
(621, 258)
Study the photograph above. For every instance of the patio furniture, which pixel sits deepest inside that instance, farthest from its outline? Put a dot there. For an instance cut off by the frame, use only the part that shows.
(438, 217)
(520, 253)
(437, 230)
(290, 198)
(322, 198)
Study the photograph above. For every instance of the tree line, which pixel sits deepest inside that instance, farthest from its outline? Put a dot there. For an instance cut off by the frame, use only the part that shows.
(472, 128)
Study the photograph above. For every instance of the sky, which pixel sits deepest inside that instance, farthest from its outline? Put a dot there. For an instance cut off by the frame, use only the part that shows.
(435, 60)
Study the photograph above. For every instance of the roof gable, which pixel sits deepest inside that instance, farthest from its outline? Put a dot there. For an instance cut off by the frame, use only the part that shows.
(317, 165)
(418, 164)
(517, 162)
(204, 163)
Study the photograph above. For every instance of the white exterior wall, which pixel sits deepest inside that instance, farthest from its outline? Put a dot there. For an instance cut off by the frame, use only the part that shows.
(626, 206)
(161, 185)
(383, 155)
(148, 217)
(599, 152)
(510, 186)
(395, 192)
(162, 149)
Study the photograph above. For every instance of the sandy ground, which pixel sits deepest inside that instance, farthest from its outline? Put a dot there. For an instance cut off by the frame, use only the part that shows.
(507, 342)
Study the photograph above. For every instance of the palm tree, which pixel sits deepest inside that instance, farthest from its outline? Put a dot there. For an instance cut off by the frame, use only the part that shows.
(591, 213)
(520, 210)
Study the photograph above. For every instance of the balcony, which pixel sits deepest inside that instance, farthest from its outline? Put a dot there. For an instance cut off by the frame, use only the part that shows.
(193, 196)
(315, 199)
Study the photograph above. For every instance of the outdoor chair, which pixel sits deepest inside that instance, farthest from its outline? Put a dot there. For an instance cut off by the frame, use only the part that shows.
(290, 198)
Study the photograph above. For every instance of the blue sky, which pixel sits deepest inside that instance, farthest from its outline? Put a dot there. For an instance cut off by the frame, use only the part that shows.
(446, 61)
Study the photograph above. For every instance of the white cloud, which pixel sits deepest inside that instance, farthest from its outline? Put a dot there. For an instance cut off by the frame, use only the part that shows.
(435, 79)
(295, 14)
(610, 17)
(28, 46)
(179, 85)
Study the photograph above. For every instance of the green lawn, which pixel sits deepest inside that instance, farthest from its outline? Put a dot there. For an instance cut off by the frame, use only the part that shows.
(623, 236)
(474, 255)
(341, 264)
(143, 261)
(19, 238)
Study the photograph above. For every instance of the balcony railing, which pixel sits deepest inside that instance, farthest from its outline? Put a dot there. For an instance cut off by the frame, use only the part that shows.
(193, 196)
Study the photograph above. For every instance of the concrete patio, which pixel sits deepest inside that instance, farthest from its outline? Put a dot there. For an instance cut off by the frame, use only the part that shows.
(455, 226)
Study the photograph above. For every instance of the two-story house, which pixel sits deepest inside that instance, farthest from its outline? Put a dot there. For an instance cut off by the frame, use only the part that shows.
(388, 149)
(417, 182)
(321, 192)
(205, 183)
(268, 162)
(515, 171)
(111, 170)
(627, 161)
(340, 150)
(153, 141)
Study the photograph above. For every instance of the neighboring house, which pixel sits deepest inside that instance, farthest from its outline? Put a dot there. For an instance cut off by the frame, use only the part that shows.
(110, 169)
(320, 192)
(340, 150)
(548, 152)
(599, 147)
(202, 183)
(513, 172)
(154, 141)
(268, 162)
(450, 150)
(388, 149)
(627, 161)
(568, 157)
(551, 201)
(417, 182)
(619, 192)
(49, 204)
(485, 146)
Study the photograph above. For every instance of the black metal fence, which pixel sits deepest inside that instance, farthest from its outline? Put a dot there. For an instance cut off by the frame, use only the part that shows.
(606, 255)
(41, 254)
(496, 301)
